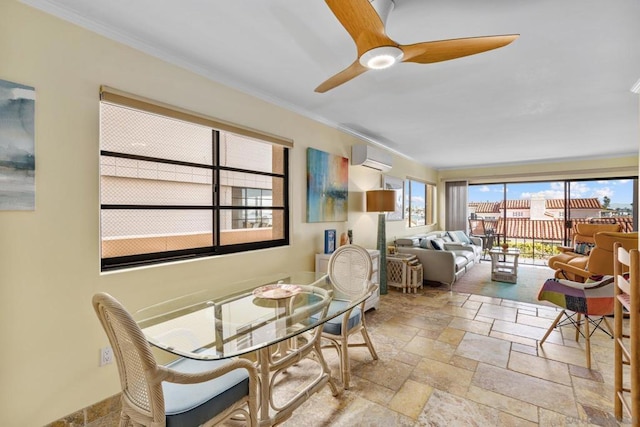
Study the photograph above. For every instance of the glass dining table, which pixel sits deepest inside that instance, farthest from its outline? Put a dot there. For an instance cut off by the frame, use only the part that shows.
(273, 319)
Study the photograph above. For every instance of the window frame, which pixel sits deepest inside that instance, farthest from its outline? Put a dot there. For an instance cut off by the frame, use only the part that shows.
(429, 202)
(121, 99)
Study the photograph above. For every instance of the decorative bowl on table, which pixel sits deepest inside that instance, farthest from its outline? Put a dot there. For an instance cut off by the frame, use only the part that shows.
(276, 291)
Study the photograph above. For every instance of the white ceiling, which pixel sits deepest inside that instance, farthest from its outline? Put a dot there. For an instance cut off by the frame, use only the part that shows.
(561, 91)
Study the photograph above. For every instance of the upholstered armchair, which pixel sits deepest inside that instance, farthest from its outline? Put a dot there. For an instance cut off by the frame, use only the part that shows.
(583, 240)
(600, 259)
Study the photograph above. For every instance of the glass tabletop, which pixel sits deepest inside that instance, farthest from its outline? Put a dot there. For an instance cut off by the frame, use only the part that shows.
(264, 311)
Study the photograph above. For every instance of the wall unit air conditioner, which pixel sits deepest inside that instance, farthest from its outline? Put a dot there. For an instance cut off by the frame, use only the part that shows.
(370, 157)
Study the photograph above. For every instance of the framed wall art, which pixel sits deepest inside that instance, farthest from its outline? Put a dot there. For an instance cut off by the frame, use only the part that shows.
(397, 185)
(17, 147)
(327, 186)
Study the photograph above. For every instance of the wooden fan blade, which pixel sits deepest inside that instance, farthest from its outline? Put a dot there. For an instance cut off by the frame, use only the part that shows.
(444, 50)
(353, 70)
(362, 22)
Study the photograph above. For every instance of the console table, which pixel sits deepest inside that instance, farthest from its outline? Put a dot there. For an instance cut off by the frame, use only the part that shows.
(322, 264)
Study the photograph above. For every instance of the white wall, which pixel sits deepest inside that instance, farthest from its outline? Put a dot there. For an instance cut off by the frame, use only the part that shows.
(49, 258)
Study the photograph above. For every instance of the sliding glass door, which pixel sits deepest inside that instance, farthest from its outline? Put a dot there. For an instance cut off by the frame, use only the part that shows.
(538, 216)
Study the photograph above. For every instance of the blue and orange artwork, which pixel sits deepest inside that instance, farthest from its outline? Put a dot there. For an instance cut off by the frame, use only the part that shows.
(327, 186)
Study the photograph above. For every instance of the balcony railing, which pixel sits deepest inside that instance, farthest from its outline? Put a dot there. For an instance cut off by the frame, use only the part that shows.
(538, 239)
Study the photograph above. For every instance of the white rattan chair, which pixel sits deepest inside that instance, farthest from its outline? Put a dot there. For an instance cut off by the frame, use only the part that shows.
(350, 270)
(184, 393)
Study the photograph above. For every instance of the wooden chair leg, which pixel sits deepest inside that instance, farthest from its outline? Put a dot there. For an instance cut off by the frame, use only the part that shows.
(552, 327)
(587, 338)
(578, 318)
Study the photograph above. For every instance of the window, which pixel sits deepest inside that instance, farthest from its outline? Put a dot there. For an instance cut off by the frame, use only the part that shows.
(419, 203)
(176, 186)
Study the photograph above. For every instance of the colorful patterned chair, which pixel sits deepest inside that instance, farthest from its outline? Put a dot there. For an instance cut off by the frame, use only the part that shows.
(593, 300)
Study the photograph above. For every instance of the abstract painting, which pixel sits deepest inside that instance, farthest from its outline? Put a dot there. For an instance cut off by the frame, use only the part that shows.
(397, 185)
(17, 146)
(327, 186)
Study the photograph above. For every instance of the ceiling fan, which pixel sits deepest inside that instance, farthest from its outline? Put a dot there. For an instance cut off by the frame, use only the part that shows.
(377, 51)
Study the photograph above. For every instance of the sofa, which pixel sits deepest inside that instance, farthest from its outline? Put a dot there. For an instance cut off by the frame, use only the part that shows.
(445, 255)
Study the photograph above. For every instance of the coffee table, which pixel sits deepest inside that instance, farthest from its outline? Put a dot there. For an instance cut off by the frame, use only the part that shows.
(504, 264)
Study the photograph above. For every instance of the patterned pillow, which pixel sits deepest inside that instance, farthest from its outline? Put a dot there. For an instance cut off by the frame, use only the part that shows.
(424, 243)
(583, 248)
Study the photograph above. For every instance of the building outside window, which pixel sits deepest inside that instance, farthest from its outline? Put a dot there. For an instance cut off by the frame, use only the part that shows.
(173, 189)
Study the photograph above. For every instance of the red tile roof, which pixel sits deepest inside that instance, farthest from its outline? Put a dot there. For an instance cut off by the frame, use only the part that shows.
(552, 229)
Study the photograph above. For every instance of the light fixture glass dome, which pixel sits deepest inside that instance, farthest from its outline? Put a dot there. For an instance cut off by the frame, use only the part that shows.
(381, 57)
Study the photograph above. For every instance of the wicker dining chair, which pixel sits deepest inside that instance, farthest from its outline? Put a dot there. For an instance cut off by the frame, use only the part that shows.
(184, 393)
(349, 270)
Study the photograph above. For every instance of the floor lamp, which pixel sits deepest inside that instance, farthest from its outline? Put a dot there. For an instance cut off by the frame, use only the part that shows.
(382, 201)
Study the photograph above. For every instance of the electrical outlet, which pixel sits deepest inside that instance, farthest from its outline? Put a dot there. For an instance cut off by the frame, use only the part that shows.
(106, 356)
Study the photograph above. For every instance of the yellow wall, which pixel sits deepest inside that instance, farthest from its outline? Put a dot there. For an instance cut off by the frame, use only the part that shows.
(49, 258)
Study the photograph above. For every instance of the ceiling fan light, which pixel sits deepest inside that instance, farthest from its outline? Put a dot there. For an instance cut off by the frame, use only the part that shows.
(381, 57)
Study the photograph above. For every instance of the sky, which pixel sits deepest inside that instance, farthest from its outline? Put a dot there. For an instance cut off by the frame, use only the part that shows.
(620, 191)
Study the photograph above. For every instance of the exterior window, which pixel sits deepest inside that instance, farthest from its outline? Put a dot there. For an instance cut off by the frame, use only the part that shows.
(419, 203)
(172, 189)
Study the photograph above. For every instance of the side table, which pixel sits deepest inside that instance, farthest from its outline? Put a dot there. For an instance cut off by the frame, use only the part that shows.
(504, 265)
(404, 271)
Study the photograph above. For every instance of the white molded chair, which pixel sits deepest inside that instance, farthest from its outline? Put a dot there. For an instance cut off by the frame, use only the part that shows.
(185, 392)
(350, 270)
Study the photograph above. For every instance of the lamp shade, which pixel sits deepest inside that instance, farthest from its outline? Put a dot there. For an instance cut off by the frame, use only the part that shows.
(381, 201)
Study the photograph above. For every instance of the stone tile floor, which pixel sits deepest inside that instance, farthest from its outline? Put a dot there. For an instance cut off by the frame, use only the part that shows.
(452, 359)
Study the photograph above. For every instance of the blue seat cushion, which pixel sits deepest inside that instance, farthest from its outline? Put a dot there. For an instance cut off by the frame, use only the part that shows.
(334, 326)
(188, 405)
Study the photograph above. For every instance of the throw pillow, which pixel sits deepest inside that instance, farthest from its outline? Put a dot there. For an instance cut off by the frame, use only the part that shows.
(424, 243)
(437, 244)
(447, 238)
(583, 248)
(459, 236)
